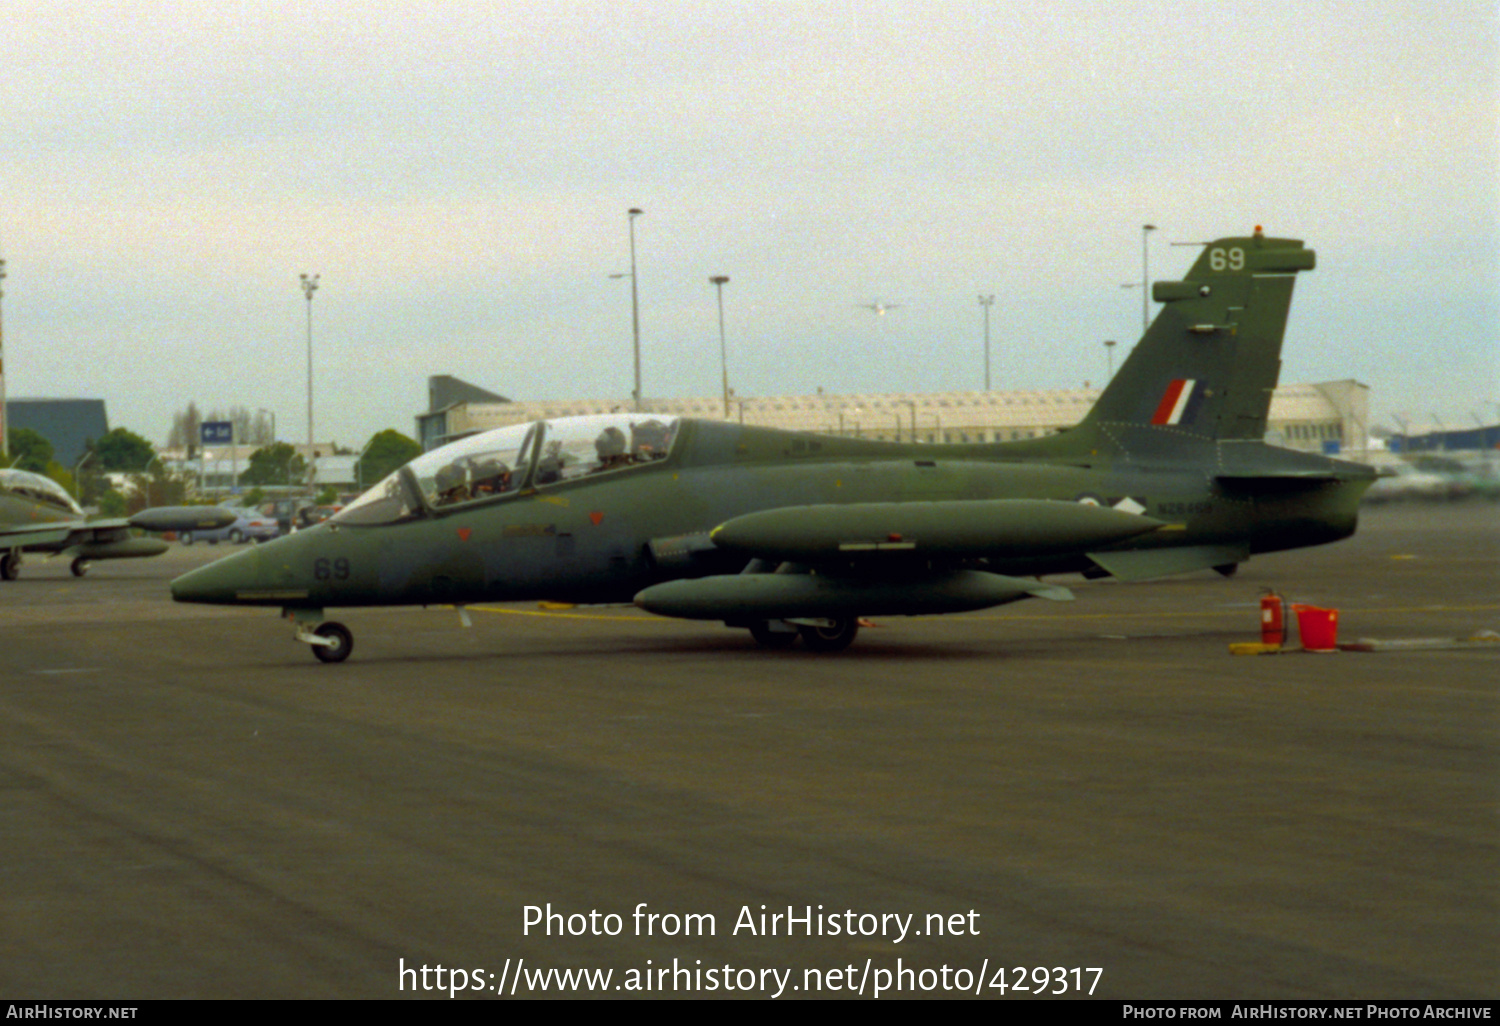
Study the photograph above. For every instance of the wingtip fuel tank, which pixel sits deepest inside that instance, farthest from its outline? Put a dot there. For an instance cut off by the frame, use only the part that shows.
(183, 518)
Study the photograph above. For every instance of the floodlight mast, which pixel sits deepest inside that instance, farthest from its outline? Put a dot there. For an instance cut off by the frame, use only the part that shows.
(1146, 230)
(309, 286)
(986, 302)
(635, 308)
(719, 281)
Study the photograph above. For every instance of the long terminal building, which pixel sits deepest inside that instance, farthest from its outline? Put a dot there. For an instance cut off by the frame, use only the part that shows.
(1328, 417)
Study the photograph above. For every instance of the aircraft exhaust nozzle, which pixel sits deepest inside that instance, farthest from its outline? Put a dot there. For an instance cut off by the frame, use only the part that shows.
(997, 528)
(785, 596)
(183, 518)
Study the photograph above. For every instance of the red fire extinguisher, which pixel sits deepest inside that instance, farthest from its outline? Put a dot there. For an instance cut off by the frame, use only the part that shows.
(1272, 619)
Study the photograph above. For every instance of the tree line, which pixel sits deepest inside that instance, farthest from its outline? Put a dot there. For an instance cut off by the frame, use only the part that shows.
(124, 451)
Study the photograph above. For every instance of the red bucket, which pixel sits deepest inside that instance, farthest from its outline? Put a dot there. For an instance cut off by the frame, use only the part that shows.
(1319, 628)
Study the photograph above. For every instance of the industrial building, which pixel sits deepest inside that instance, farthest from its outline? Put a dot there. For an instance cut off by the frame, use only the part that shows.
(69, 424)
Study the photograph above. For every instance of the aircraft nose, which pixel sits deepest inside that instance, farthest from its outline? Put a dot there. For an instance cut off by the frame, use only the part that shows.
(219, 582)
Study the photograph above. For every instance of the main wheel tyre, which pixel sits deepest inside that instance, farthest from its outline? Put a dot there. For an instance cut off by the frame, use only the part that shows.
(834, 638)
(343, 642)
(765, 637)
(10, 566)
(79, 567)
(237, 536)
(187, 537)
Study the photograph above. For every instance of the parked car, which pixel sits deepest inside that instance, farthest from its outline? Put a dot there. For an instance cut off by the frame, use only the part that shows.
(249, 525)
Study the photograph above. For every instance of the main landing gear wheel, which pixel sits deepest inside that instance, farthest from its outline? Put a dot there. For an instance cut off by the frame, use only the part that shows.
(343, 642)
(836, 637)
(765, 637)
(79, 567)
(10, 566)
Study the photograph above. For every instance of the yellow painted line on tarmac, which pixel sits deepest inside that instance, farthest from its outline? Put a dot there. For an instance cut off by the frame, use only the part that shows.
(1252, 611)
(564, 616)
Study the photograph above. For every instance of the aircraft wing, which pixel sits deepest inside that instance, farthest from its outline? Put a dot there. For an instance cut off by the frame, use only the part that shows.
(55, 533)
(94, 539)
(109, 537)
(886, 558)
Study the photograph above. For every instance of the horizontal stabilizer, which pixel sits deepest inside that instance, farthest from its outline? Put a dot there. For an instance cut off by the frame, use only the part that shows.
(1144, 564)
(1279, 483)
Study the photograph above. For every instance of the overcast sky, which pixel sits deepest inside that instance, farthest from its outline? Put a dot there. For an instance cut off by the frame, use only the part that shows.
(458, 174)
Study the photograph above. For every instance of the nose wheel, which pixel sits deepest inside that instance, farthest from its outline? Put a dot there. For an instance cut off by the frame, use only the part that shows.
(331, 642)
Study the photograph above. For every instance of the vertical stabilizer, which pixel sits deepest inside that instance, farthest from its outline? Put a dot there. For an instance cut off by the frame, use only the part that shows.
(1206, 367)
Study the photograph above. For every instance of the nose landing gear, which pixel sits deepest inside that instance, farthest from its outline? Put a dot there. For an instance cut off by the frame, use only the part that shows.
(330, 641)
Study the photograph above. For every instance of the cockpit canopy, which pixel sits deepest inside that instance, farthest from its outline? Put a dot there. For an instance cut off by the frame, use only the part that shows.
(508, 460)
(36, 488)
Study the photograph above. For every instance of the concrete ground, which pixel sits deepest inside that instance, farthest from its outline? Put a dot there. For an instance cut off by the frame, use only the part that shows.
(191, 806)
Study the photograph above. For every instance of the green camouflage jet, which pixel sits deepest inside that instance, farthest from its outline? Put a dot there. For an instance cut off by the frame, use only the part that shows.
(37, 515)
(797, 535)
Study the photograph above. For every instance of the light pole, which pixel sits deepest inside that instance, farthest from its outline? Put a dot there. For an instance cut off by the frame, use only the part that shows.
(309, 286)
(719, 281)
(1109, 349)
(272, 415)
(78, 474)
(986, 302)
(635, 307)
(1146, 230)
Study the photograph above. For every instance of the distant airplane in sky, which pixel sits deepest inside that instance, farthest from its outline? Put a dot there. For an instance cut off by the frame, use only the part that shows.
(879, 307)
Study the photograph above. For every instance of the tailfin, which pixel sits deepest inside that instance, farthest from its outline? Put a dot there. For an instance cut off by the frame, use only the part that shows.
(1206, 367)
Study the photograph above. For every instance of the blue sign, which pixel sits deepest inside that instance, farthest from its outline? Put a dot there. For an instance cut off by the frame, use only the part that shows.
(216, 432)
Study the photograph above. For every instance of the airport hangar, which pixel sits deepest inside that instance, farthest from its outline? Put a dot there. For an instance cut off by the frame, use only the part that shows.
(1330, 417)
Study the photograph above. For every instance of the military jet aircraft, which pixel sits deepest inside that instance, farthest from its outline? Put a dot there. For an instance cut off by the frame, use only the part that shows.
(36, 515)
(796, 535)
